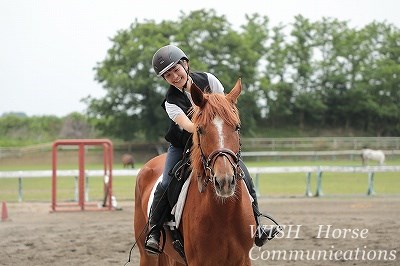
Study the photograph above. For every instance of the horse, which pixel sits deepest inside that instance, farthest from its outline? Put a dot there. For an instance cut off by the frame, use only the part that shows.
(217, 219)
(127, 159)
(376, 155)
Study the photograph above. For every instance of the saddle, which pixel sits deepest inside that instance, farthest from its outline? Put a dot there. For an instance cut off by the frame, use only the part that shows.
(180, 173)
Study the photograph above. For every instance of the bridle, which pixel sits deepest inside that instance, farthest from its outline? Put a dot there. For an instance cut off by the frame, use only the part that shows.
(208, 162)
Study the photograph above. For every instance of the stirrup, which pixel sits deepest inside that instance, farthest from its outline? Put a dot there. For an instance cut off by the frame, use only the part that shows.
(266, 235)
(151, 250)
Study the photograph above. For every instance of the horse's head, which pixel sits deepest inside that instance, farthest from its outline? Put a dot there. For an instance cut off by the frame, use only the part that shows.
(216, 144)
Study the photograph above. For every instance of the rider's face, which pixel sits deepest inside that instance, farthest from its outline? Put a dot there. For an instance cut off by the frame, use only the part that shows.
(176, 76)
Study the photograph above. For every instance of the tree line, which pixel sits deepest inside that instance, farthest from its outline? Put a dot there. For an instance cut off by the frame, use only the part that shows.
(17, 129)
(307, 74)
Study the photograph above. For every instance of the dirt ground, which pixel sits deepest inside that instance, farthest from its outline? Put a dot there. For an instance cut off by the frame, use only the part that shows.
(34, 236)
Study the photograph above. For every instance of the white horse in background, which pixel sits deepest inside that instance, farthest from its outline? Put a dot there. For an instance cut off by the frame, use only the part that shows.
(376, 155)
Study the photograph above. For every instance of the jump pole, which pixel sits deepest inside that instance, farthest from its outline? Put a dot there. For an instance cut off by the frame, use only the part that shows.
(107, 164)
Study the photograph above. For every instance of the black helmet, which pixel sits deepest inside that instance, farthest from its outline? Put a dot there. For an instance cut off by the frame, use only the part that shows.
(167, 57)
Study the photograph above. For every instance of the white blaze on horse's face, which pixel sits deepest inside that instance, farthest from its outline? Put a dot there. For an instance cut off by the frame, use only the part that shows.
(224, 179)
(219, 123)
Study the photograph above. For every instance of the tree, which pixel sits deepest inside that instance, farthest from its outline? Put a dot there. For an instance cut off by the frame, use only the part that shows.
(76, 126)
(131, 108)
(321, 73)
(16, 130)
(277, 90)
(383, 84)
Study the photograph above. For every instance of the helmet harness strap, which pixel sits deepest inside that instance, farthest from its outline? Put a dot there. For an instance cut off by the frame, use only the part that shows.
(187, 74)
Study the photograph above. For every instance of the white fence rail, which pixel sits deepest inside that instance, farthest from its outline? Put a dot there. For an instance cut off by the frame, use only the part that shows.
(326, 143)
(319, 170)
(255, 171)
(60, 173)
(315, 154)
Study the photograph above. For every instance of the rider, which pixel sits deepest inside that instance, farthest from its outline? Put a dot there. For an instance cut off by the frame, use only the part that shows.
(171, 63)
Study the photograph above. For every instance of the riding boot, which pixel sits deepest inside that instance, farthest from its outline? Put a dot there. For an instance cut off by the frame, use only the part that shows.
(156, 220)
(263, 234)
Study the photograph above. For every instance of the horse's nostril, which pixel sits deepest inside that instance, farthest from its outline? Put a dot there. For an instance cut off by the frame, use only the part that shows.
(217, 184)
(221, 183)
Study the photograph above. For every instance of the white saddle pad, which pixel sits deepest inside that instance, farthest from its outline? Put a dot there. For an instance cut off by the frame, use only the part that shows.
(177, 210)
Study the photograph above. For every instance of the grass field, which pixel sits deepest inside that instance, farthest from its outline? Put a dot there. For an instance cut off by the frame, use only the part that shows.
(270, 185)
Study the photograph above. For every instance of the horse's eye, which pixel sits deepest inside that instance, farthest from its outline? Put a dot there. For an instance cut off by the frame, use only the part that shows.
(237, 128)
(200, 130)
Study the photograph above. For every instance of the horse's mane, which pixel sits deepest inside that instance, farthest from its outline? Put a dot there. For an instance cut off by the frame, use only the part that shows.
(216, 105)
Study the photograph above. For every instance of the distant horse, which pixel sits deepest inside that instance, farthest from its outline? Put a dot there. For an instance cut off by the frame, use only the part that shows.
(127, 160)
(217, 218)
(376, 155)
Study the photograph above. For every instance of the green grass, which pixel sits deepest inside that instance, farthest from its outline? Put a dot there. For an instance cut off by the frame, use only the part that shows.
(279, 185)
(294, 184)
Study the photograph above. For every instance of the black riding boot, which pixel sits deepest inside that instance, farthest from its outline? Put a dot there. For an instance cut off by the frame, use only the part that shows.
(263, 234)
(156, 220)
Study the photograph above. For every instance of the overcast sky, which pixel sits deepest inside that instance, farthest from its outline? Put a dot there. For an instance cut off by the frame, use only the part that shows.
(48, 48)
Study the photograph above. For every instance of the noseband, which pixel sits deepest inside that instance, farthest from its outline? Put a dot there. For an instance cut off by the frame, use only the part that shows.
(208, 163)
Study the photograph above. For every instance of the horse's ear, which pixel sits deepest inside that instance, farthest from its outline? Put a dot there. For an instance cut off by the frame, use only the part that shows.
(197, 95)
(235, 92)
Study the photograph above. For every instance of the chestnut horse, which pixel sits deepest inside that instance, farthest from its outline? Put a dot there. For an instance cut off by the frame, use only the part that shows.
(217, 218)
(127, 159)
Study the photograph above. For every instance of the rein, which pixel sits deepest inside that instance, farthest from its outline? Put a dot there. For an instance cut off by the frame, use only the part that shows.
(208, 163)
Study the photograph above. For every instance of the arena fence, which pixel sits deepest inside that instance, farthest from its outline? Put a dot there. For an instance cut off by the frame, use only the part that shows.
(249, 144)
(319, 170)
(255, 171)
(316, 155)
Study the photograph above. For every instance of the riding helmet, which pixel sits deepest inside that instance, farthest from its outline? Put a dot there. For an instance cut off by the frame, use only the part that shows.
(166, 57)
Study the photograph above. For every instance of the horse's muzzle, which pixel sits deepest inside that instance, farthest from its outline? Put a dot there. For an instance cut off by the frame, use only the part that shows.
(222, 168)
(225, 185)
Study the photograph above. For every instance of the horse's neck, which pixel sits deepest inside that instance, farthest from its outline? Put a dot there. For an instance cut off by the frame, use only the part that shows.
(212, 229)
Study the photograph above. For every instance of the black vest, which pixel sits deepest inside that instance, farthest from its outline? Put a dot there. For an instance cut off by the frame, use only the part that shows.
(176, 136)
